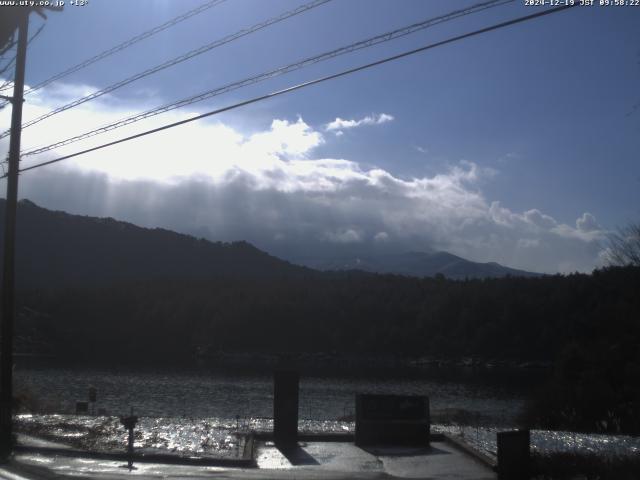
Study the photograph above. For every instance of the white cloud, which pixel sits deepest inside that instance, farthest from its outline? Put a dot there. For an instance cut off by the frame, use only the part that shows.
(343, 236)
(287, 140)
(587, 223)
(381, 237)
(539, 219)
(340, 124)
(270, 188)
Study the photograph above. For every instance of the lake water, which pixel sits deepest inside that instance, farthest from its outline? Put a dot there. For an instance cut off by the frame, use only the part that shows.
(189, 412)
(493, 397)
(198, 412)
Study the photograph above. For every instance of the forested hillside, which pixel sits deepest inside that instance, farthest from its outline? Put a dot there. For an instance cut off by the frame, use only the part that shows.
(516, 318)
(56, 248)
(140, 295)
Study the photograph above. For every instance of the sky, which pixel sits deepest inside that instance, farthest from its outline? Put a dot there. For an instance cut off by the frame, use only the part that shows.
(518, 146)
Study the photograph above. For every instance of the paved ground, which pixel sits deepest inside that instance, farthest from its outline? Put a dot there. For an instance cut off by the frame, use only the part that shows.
(313, 460)
(442, 460)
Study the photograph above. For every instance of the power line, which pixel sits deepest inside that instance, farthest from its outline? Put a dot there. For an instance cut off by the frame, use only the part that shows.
(5, 68)
(385, 37)
(175, 61)
(13, 59)
(6, 83)
(9, 45)
(307, 84)
(126, 44)
(9, 81)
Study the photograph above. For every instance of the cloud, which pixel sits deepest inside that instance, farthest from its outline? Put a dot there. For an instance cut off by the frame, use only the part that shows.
(327, 207)
(381, 237)
(540, 220)
(528, 243)
(340, 124)
(343, 236)
(271, 188)
(587, 223)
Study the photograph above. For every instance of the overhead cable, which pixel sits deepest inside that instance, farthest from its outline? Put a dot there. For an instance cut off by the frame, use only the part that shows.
(13, 59)
(307, 84)
(125, 44)
(385, 37)
(174, 61)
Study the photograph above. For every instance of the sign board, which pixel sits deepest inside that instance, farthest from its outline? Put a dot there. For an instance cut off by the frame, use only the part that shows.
(393, 407)
(392, 420)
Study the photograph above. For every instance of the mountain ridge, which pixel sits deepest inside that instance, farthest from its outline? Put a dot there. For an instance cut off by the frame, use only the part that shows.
(62, 249)
(419, 264)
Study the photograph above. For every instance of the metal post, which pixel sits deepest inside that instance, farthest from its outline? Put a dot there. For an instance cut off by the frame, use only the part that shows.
(8, 277)
(130, 449)
(130, 423)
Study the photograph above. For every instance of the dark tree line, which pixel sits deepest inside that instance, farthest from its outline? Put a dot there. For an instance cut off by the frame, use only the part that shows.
(509, 318)
(589, 325)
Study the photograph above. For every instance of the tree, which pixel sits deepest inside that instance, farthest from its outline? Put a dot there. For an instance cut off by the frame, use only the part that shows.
(623, 247)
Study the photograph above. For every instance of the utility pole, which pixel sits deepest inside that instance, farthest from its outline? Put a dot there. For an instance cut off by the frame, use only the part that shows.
(8, 277)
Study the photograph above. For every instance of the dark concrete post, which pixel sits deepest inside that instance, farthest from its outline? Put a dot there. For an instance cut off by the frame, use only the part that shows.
(513, 455)
(285, 407)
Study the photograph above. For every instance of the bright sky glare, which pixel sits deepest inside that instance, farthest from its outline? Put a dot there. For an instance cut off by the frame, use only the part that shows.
(519, 146)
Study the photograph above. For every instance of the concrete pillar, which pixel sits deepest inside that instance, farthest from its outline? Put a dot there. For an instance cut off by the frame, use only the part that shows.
(513, 455)
(285, 407)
